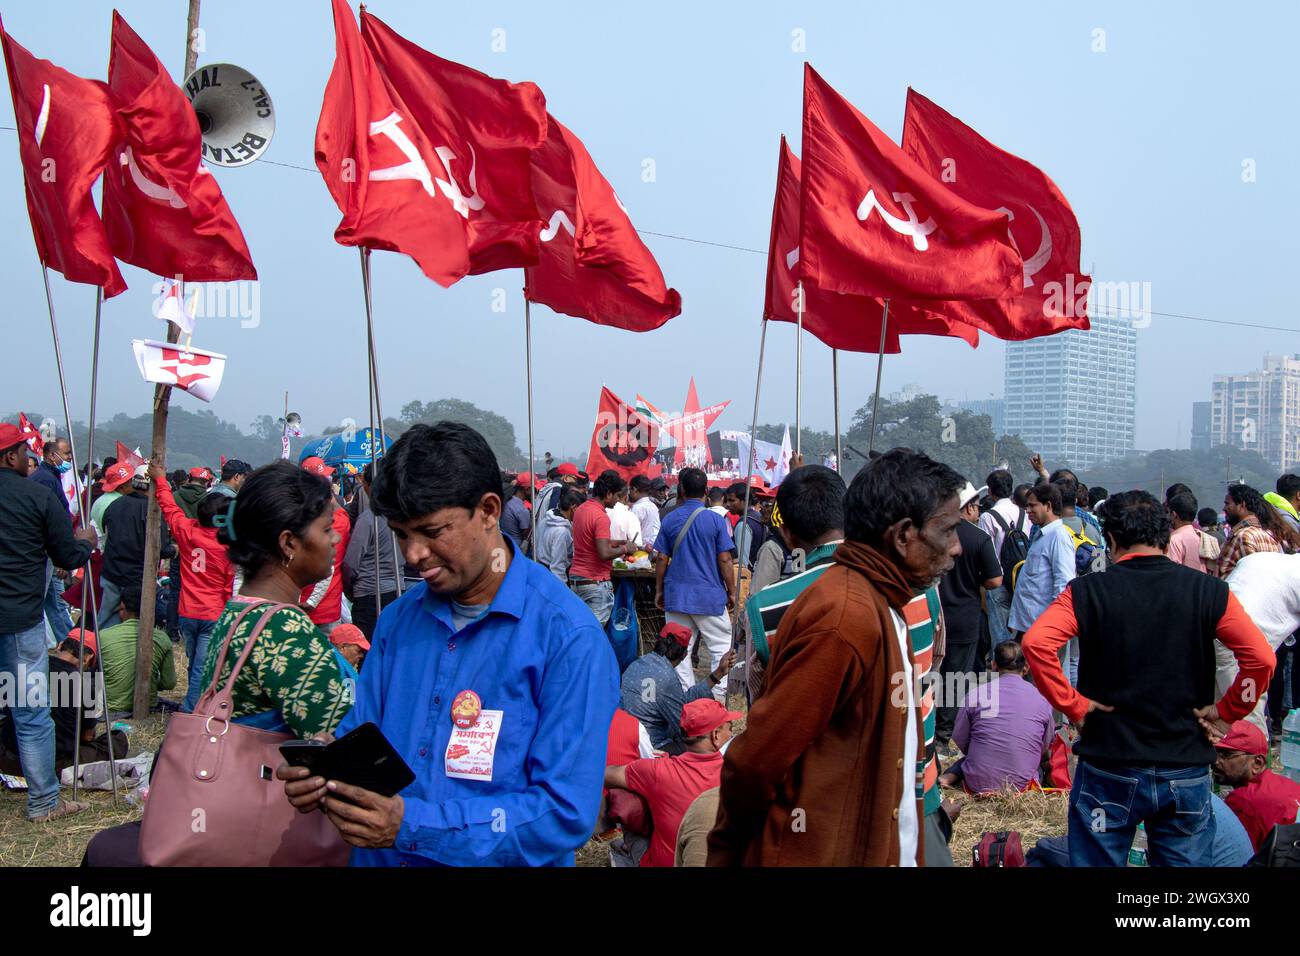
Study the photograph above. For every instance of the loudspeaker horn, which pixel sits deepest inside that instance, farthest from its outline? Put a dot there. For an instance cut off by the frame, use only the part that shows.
(235, 114)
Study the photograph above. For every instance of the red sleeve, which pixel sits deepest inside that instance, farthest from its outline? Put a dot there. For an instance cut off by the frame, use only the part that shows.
(642, 775)
(181, 524)
(600, 527)
(1255, 660)
(1049, 634)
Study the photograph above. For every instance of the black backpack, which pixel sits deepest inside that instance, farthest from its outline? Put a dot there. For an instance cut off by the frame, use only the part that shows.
(1015, 548)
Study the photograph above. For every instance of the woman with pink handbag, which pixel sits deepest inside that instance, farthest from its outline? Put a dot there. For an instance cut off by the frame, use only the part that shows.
(270, 676)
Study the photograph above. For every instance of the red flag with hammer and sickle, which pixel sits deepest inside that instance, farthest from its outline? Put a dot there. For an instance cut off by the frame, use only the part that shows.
(875, 223)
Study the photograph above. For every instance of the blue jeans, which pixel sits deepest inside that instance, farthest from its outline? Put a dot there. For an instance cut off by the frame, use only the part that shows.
(1172, 803)
(195, 634)
(599, 597)
(23, 657)
(108, 608)
(999, 609)
(56, 612)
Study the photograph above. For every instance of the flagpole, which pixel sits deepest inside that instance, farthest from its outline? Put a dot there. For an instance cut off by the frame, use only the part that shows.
(162, 395)
(72, 452)
(798, 371)
(753, 437)
(88, 600)
(370, 400)
(398, 563)
(528, 362)
(835, 387)
(880, 365)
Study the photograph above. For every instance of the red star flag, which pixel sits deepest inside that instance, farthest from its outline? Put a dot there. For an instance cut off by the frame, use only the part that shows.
(193, 370)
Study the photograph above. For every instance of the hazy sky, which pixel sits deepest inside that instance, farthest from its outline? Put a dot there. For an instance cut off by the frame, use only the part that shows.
(1146, 139)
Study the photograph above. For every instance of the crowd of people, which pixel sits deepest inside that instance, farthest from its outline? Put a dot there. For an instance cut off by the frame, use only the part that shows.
(838, 668)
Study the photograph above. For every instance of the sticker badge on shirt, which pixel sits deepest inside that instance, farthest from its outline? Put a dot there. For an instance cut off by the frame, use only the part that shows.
(465, 709)
(471, 750)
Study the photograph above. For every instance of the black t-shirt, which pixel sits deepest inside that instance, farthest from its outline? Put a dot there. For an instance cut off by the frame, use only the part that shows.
(63, 675)
(959, 591)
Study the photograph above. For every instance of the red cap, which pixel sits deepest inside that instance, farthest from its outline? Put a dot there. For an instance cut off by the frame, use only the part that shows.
(201, 473)
(701, 717)
(349, 634)
(87, 639)
(1246, 737)
(317, 466)
(10, 435)
(678, 632)
(117, 474)
(567, 468)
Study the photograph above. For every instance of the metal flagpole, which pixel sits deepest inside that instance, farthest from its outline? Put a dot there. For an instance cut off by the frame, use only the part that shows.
(880, 365)
(835, 387)
(398, 563)
(798, 370)
(749, 466)
(370, 398)
(528, 362)
(72, 451)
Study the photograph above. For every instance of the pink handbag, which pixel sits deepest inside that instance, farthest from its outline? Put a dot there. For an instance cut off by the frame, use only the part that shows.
(214, 799)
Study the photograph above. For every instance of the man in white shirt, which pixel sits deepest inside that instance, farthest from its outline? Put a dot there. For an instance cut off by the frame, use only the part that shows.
(645, 509)
(1004, 516)
(1267, 584)
(623, 524)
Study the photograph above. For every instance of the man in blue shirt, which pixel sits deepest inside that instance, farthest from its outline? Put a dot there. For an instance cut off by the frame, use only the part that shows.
(695, 577)
(516, 520)
(1049, 566)
(652, 692)
(491, 679)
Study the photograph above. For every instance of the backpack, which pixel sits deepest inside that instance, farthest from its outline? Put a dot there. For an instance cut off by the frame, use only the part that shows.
(998, 849)
(1015, 548)
(1089, 556)
(1280, 848)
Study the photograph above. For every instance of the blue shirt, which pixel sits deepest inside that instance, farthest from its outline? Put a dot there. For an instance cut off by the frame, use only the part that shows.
(652, 693)
(693, 583)
(539, 656)
(1048, 568)
(515, 520)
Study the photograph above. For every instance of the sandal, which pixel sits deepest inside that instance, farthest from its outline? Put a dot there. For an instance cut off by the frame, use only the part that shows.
(66, 808)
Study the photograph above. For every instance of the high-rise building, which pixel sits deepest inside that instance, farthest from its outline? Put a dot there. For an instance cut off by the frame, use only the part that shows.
(992, 407)
(1071, 396)
(1260, 411)
(1201, 417)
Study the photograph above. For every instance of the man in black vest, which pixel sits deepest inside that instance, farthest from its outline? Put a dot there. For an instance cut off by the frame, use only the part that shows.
(1145, 696)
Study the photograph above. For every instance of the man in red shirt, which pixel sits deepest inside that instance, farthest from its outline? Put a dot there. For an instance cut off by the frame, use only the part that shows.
(207, 576)
(593, 551)
(1260, 798)
(324, 602)
(670, 784)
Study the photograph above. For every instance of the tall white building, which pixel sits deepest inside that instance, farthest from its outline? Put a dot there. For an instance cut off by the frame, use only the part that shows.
(1260, 411)
(1072, 396)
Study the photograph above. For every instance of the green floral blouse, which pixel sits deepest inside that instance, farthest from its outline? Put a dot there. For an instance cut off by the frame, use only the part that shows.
(292, 670)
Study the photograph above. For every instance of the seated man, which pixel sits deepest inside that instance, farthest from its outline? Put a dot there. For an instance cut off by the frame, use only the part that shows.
(118, 646)
(652, 693)
(63, 710)
(670, 784)
(1260, 798)
(1004, 729)
(351, 644)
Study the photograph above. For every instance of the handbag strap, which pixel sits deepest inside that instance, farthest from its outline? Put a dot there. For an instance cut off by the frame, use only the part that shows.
(216, 703)
(677, 541)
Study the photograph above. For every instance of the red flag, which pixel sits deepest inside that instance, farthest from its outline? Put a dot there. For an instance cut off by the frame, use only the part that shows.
(623, 440)
(592, 264)
(31, 434)
(66, 129)
(122, 453)
(873, 222)
(848, 322)
(164, 210)
(483, 131)
(376, 163)
(1042, 226)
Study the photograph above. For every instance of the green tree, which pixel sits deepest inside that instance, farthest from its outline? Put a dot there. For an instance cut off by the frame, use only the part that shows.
(1206, 472)
(496, 429)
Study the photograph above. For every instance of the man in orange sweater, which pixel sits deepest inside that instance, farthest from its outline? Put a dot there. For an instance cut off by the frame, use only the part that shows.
(825, 772)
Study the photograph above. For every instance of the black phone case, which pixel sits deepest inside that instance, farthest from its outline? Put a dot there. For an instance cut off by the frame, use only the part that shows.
(365, 758)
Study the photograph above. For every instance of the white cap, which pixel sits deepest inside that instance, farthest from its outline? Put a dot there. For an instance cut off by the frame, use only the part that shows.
(141, 471)
(966, 495)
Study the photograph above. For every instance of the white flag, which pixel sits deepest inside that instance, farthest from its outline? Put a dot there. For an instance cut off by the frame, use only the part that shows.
(196, 371)
(783, 461)
(767, 458)
(168, 306)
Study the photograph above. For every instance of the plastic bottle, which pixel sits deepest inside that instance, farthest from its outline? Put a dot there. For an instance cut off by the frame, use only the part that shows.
(1291, 745)
(1137, 854)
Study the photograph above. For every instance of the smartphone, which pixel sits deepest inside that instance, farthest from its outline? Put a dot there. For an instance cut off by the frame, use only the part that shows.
(363, 758)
